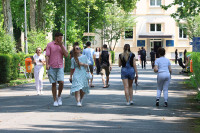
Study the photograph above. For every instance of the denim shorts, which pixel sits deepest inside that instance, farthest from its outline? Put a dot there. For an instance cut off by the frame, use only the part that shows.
(55, 74)
(127, 73)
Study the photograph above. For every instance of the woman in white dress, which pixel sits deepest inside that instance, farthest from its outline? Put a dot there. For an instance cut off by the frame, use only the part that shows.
(97, 63)
(39, 61)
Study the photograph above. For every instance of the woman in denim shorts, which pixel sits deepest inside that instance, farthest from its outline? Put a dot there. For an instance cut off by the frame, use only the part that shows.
(128, 71)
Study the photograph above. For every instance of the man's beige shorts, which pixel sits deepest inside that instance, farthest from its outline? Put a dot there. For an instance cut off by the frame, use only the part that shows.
(105, 70)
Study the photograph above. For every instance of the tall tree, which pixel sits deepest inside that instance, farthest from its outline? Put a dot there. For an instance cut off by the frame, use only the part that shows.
(8, 25)
(40, 12)
(186, 8)
(32, 14)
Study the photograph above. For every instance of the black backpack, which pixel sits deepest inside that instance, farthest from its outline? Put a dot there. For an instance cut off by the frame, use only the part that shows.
(143, 53)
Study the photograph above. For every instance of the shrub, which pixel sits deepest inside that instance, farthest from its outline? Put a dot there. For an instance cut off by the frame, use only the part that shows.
(15, 60)
(196, 63)
(5, 68)
(112, 56)
(36, 39)
(67, 63)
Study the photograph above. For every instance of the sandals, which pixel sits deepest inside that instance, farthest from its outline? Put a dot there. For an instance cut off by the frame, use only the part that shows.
(106, 86)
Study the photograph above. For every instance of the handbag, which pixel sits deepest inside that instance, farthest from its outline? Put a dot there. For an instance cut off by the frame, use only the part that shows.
(88, 74)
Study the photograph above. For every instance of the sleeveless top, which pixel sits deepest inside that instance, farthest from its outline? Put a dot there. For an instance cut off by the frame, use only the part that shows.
(105, 58)
(131, 56)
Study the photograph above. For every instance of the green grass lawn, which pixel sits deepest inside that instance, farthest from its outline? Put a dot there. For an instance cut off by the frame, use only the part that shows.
(20, 80)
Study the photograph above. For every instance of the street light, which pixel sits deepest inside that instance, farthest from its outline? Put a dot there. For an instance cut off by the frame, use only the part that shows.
(65, 22)
(25, 34)
(88, 21)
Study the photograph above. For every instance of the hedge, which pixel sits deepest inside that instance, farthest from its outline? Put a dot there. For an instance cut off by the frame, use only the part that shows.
(196, 67)
(5, 68)
(112, 56)
(10, 66)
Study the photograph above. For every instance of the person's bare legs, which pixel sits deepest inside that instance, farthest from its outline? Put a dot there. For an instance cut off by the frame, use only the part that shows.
(91, 80)
(54, 91)
(107, 80)
(103, 80)
(60, 87)
(125, 82)
(81, 94)
(77, 96)
(130, 83)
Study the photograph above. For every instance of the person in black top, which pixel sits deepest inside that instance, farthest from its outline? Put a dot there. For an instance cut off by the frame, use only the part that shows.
(185, 57)
(176, 56)
(153, 57)
(105, 61)
(128, 72)
(143, 57)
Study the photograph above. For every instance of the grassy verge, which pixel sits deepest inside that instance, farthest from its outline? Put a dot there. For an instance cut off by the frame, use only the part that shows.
(20, 80)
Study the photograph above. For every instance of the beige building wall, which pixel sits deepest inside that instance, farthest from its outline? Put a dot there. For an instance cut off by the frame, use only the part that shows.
(145, 15)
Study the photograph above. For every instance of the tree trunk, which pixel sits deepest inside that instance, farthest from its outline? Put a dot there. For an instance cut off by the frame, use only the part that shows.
(32, 14)
(8, 25)
(40, 18)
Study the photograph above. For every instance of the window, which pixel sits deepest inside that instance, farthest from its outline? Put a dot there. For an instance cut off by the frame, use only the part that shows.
(155, 2)
(182, 33)
(129, 34)
(155, 27)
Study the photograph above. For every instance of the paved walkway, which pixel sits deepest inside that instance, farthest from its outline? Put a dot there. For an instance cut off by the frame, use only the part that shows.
(104, 110)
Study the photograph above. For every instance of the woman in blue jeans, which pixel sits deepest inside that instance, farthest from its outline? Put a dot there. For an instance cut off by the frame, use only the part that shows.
(128, 71)
(163, 68)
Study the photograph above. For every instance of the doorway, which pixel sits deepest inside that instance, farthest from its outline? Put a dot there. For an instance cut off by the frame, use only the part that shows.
(155, 44)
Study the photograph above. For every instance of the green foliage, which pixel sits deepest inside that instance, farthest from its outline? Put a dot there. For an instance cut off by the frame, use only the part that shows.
(7, 45)
(192, 26)
(5, 68)
(198, 96)
(186, 8)
(116, 22)
(15, 66)
(196, 63)
(36, 39)
(112, 56)
(67, 63)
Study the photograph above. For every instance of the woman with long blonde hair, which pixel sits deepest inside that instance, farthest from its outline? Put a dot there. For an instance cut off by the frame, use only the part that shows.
(128, 71)
(79, 81)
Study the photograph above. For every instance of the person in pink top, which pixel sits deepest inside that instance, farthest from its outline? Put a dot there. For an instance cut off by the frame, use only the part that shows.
(54, 64)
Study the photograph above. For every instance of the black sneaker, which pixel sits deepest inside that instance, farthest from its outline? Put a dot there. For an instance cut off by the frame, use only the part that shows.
(166, 104)
(157, 102)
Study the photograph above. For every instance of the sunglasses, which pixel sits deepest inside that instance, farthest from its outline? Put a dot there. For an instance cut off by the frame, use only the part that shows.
(77, 48)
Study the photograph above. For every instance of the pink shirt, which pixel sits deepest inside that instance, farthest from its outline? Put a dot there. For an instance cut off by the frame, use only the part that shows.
(55, 54)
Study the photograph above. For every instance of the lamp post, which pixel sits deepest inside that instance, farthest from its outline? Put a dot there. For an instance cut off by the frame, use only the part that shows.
(25, 27)
(88, 21)
(65, 22)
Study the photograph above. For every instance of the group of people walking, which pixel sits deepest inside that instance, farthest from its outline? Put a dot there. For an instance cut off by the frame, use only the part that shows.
(81, 75)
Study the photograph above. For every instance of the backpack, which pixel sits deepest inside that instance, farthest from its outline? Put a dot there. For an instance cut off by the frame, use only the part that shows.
(143, 53)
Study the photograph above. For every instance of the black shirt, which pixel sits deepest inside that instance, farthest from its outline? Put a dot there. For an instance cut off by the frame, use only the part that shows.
(124, 62)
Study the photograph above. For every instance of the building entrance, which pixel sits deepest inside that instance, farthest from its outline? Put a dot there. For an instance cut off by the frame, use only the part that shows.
(155, 44)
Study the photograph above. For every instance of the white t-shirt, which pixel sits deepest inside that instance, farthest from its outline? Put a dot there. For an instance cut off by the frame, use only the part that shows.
(37, 58)
(163, 64)
(97, 54)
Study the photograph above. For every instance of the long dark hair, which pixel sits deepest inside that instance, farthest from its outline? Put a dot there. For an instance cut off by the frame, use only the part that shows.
(126, 52)
(75, 54)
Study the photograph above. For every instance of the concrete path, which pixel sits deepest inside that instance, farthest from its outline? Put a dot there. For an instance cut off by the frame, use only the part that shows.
(104, 110)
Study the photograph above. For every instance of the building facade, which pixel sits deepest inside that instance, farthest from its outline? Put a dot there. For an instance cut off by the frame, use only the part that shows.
(154, 28)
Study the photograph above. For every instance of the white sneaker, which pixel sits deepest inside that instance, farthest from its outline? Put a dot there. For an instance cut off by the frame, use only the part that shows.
(55, 104)
(38, 92)
(81, 101)
(41, 92)
(59, 101)
(79, 104)
(127, 103)
(131, 102)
